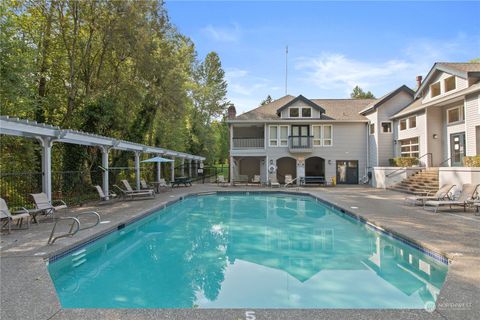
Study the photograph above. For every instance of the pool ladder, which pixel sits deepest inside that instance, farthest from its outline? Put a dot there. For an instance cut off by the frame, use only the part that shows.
(74, 227)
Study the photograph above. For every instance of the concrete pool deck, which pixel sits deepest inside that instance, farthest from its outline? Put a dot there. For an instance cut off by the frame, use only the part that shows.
(27, 291)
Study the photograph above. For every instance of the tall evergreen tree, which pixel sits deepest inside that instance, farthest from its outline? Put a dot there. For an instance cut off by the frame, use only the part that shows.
(358, 93)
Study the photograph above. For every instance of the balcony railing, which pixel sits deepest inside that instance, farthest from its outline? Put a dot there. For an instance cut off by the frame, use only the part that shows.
(248, 143)
(300, 143)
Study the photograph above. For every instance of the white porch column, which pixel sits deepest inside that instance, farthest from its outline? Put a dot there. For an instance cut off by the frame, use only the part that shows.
(105, 178)
(159, 170)
(46, 144)
(190, 168)
(231, 170)
(182, 168)
(173, 170)
(137, 169)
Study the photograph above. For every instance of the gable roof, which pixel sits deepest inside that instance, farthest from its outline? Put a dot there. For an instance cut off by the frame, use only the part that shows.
(335, 109)
(460, 69)
(377, 103)
(304, 100)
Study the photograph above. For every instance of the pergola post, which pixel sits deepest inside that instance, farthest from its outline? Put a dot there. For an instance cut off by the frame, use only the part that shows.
(105, 178)
(137, 169)
(46, 144)
(159, 171)
(182, 168)
(173, 170)
(190, 168)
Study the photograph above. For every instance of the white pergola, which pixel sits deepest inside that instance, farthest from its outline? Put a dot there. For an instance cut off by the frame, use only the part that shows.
(47, 135)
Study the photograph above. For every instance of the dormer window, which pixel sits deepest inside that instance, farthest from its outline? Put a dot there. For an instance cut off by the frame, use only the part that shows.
(306, 112)
(293, 113)
(450, 84)
(435, 90)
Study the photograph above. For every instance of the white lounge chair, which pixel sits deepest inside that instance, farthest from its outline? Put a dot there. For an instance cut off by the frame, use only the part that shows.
(274, 182)
(44, 206)
(132, 195)
(8, 217)
(221, 181)
(102, 195)
(129, 189)
(256, 179)
(288, 180)
(465, 197)
(444, 193)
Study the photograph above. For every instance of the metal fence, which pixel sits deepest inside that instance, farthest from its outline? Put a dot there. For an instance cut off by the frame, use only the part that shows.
(76, 187)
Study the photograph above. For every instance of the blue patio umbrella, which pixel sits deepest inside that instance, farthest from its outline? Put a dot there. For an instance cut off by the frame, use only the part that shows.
(158, 159)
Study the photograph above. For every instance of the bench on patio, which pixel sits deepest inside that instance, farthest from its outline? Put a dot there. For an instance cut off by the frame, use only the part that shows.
(182, 180)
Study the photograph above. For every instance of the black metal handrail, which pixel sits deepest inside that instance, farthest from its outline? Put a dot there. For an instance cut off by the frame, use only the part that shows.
(300, 142)
(446, 160)
(429, 154)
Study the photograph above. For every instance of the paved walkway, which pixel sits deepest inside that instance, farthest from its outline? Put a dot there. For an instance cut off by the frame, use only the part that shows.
(27, 291)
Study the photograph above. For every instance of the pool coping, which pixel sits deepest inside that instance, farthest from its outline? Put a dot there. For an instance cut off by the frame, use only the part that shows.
(62, 252)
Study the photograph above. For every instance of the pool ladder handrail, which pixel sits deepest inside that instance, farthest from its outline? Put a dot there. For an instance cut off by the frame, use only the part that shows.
(74, 227)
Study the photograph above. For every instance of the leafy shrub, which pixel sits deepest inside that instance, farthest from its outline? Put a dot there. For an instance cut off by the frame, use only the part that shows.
(471, 161)
(403, 162)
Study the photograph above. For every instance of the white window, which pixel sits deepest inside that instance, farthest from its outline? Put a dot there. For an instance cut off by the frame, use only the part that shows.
(435, 89)
(293, 113)
(403, 124)
(450, 84)
(327, 135)
(273, 136)
(306, 112)
(412, 122)
(409, 147)
(284, 136)
(387, 127)
(372, 128)
(455, 114)
(317, 135)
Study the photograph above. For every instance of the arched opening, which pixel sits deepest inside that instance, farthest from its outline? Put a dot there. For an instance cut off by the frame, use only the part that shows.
(286, 165)
(315, 167)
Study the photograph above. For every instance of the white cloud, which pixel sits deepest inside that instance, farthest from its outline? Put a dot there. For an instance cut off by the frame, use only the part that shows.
(223, 34)
(337, 73)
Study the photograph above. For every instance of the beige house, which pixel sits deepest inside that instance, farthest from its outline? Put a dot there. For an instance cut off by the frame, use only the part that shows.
(316, 140)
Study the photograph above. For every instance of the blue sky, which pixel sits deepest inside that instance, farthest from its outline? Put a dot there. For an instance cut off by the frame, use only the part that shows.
(333, 46)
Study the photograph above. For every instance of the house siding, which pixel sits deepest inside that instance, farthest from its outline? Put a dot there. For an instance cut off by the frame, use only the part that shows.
(472, 124)
(419, 131)
(461, 83)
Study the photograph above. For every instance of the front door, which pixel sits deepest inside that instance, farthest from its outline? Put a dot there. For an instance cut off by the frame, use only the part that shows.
(300, 136)
(457, 149)
(347, 171)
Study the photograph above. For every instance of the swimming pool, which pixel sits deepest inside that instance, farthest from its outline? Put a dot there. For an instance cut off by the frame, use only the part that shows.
(248, 251)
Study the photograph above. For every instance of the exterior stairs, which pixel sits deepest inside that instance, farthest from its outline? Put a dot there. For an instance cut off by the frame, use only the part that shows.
(422, 181)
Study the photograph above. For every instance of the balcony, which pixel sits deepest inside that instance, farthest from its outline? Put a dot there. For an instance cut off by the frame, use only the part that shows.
(300, 144)
(248, 143)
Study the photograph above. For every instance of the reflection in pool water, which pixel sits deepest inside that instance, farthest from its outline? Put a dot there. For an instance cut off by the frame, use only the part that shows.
(247, 251)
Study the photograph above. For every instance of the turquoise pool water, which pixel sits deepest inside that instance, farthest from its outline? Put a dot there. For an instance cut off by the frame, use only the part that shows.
(247, 251)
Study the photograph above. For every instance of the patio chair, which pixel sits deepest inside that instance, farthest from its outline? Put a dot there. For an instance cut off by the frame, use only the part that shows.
(288, 180)
(8, 217)
(134, 195)
(221, 181)
(256, 179)
(102, 195)
(274, 182)
(43, 205)
(144, 185)
(445, 192)
(465, 197)
(129, 189)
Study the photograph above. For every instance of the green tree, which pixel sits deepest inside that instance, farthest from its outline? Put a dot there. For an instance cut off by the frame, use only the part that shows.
(267, 100)
(358, 93)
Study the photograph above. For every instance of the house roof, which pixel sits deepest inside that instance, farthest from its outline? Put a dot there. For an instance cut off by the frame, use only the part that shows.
(377, 103)
(417, 104)
(335, 109)
(304, 100)
(460, 69)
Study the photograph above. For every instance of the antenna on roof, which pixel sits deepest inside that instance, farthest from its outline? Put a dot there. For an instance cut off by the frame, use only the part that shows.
(286, 68)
